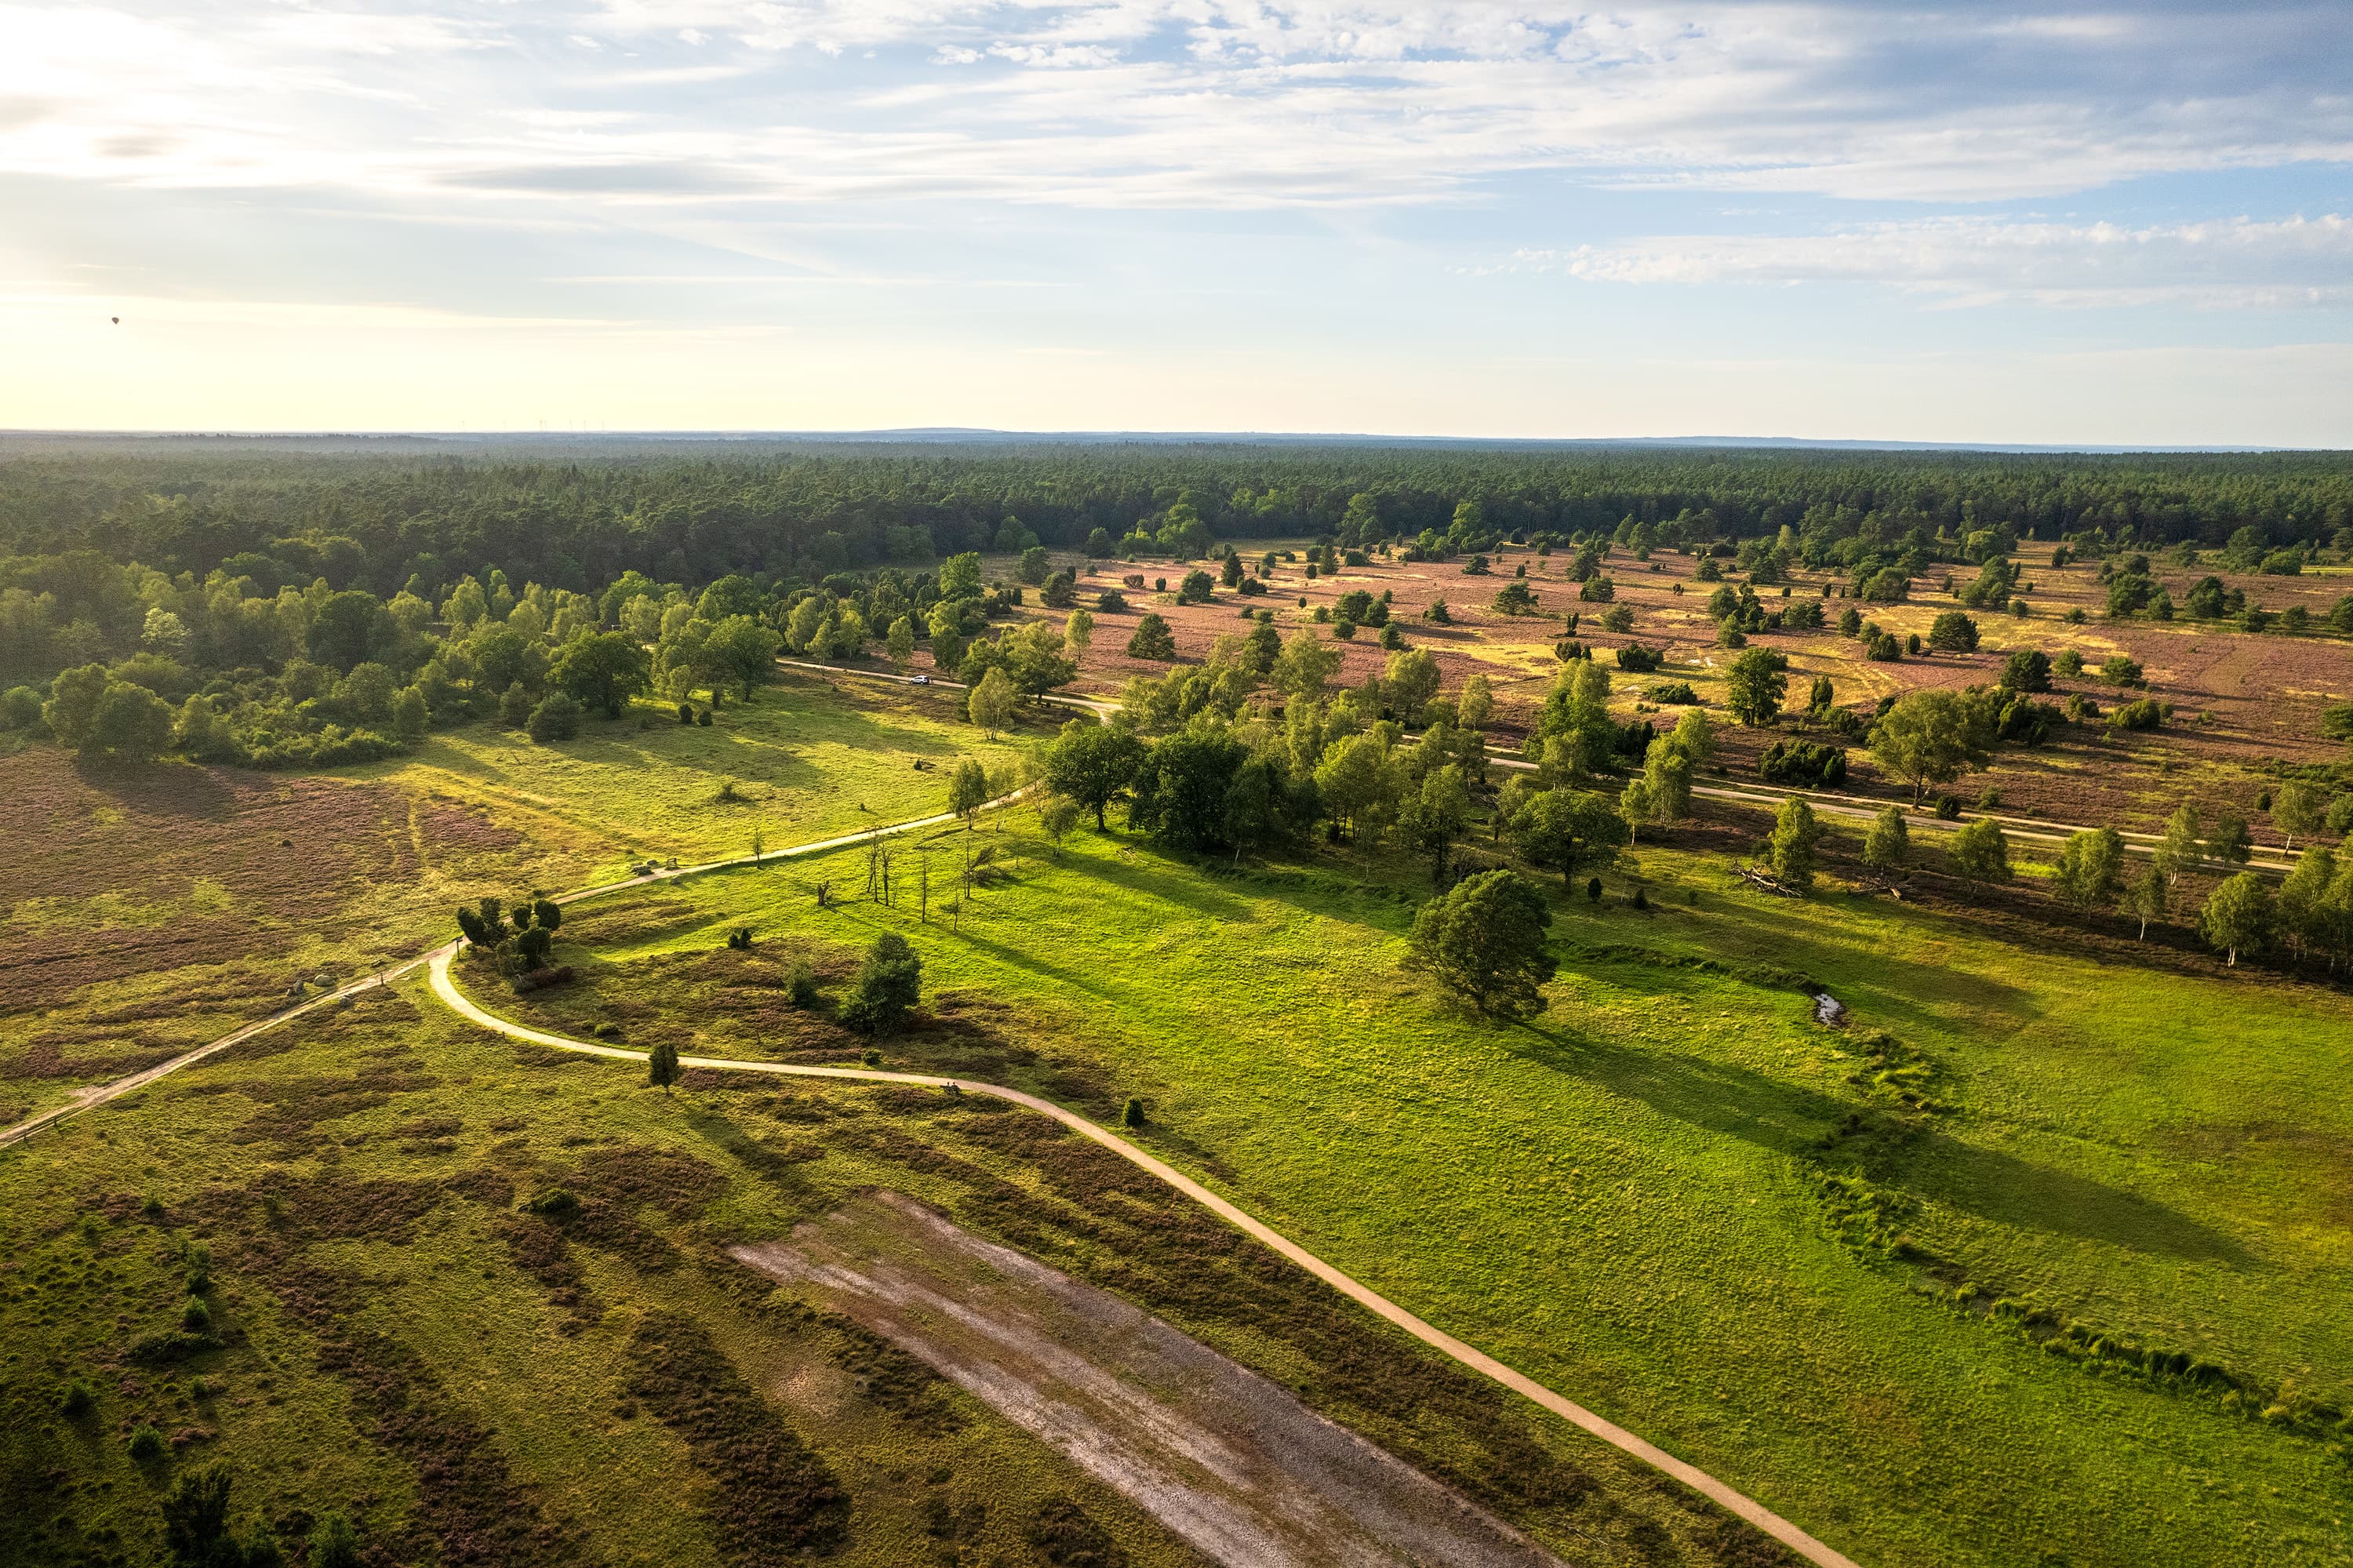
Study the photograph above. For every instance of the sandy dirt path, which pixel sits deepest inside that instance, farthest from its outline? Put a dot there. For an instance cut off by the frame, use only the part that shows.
(1240, 1469)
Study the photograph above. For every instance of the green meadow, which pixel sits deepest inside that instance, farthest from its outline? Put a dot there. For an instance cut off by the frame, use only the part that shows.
(2036, 1259)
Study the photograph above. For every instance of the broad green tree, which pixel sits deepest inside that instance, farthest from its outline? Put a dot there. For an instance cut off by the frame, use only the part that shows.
(1092, 763)
(741, 649)
(1435, 816)
(1981, 851)
(1306, 666)
(1931, 737)
(1484, 940)
(1568, 830)
(603, 670)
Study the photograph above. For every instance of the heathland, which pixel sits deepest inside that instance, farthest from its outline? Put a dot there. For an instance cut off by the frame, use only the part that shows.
(1479, 836)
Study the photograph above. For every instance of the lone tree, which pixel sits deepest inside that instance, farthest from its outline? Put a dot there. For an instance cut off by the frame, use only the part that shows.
(968, 790)
(1758, 680)
(2237, 916)
(1981, 851)
(661, 1065)
(990, 703)
(1930, 737)
(2148, 897)
(1484, 940)
(889, 984)
(1888, 845)
(1152, 639)
(1953, 632)
(1791, 847)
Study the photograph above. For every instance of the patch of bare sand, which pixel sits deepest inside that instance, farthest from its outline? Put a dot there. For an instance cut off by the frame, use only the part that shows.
(1230, 1462)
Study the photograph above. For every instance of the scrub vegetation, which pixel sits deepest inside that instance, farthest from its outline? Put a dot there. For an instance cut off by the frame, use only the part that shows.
(1835, 963)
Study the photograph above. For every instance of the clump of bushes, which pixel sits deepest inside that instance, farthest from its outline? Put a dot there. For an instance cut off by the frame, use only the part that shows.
(1804, 763)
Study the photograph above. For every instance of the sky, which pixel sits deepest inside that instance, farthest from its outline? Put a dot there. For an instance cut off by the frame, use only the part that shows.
(2035, 222)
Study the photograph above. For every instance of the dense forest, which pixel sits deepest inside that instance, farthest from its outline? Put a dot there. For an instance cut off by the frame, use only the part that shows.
(577, 517)
(260, 602)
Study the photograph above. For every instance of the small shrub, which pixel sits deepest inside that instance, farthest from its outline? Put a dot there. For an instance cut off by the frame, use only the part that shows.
(79, 1399)
(1131, 1113)
(2144, 713)
(555, 1202)
(703, 718)
(686, 712)
(801, 985)
(869, 1057)
(1949, 807)
(1593, 889)
(194, 1315)
(557, 717)
(1677, 692)
(146, 1443)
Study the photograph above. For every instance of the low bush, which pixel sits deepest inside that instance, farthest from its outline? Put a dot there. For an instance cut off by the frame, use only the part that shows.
(1803, 762)
(1635, 658)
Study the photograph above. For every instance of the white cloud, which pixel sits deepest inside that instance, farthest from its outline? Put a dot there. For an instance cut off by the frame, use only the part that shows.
(1232, 103)
(1973, 261)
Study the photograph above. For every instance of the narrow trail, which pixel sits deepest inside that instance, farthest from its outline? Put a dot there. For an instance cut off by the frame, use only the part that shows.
(437, 961)
(99, 1093)
(1466, 1355)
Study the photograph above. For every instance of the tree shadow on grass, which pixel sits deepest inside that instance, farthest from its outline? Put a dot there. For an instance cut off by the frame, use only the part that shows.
(1716, 1096)
(1787, 1119)
(1146, 877)
(2007, 1191)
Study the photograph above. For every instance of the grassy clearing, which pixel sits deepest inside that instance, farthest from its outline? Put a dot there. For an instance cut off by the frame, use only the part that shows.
(1625, 1199)
(809, 758)
(164, 910)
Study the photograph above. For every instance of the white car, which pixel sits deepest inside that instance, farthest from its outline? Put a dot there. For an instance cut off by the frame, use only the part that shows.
(922, 680)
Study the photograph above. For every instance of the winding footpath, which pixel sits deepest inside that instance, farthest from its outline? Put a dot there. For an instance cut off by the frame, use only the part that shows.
(437, 961)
